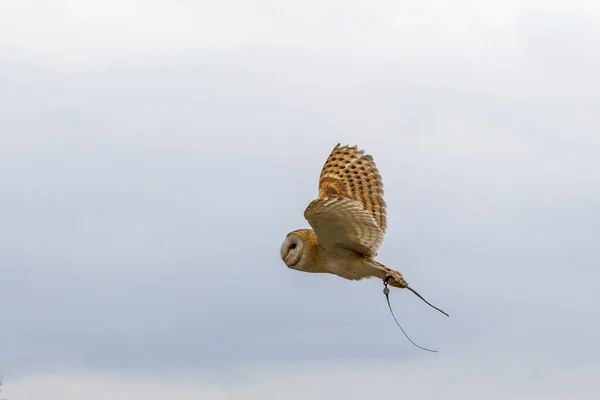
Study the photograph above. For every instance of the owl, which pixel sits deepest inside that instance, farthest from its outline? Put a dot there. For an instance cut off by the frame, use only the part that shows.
(348, 221)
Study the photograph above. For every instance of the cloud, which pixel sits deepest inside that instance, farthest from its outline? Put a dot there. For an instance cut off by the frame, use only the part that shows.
(70, 30)
(464, 378)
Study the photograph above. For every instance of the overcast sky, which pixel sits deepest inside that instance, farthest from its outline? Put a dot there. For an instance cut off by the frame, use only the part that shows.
(155, 153)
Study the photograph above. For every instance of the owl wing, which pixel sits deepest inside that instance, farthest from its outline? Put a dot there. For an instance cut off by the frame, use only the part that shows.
(350, 211)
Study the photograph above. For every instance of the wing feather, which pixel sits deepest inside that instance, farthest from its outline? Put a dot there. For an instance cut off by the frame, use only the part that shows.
(350, 211)
(349, 173)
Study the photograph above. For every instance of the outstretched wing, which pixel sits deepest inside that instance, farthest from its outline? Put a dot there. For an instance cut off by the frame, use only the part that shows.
(350, 211)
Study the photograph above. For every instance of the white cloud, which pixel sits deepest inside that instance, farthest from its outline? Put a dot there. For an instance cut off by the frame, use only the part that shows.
(494, 36)
(70, 34)
(92, 26)
(438, 377)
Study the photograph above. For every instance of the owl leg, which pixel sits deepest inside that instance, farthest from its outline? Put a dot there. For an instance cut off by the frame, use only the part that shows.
(394, 278)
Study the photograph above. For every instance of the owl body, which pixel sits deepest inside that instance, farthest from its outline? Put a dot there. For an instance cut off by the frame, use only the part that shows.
(317, 258)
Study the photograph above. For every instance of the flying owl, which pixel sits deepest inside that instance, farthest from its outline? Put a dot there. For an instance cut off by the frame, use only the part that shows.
(348, 221)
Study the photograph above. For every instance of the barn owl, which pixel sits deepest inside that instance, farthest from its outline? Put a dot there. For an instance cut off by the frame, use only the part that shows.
(348, 221)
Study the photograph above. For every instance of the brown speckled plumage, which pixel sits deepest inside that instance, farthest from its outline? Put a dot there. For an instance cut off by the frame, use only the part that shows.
(349, 210)
(349, 173)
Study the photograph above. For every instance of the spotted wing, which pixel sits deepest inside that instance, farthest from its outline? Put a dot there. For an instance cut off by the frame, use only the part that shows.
(350, 211)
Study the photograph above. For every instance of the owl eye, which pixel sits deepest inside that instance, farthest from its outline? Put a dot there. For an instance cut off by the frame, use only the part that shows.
(294, 245)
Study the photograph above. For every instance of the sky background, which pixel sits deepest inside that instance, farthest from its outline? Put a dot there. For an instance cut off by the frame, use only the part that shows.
(154, 154)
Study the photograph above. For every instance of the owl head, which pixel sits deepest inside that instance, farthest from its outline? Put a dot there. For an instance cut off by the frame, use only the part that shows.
(298, 249)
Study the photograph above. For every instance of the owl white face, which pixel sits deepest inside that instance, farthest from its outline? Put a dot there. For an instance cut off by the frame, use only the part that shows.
(291, 250)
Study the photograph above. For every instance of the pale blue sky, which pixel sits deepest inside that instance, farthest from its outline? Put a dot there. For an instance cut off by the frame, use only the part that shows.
(153, 155)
